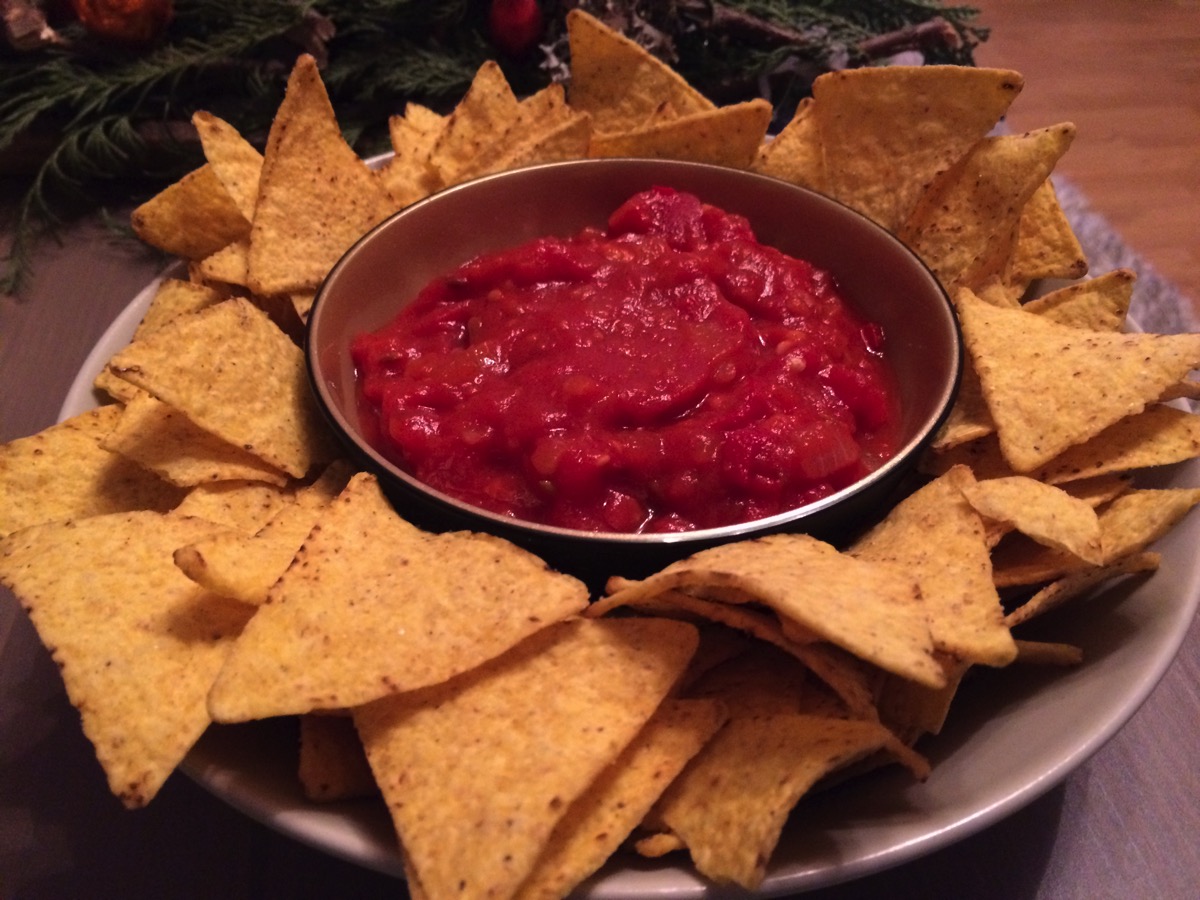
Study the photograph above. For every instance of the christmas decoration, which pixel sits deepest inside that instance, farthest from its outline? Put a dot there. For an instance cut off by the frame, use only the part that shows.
(134, 22)
(515, 26)
(98, 94)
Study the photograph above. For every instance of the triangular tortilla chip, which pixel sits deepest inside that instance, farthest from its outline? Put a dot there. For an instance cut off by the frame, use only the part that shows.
(228, 266)
(174, 298)
(619, 82)
(889, 131)
(568, 139)
(1032, 372)
(352, 621)
(1043, 512)
(872, 610)
(598, 822)
(316, 197)
(1127, 526)
(1076, 584)
(1046, 243)
(1158, 436)
(1098, 304)
(969, 418)
(582, 691)
(245, 567)
(64, 472)
(232, 372)
(234, 160)
(795, 154)
(413, 135)
(244, 506)
(964, 226)
(939, 538)
(166, 442)
(730, 804)
(727, 136)
(191, 218)
(481, 118)
(137, 643)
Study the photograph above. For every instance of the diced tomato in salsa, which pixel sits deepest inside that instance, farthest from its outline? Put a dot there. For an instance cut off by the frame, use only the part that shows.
(668, 373)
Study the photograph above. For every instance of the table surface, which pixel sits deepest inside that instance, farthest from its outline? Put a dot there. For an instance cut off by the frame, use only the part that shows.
(1122, 825)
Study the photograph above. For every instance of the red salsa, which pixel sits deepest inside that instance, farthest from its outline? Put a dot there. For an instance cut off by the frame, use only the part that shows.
(667, 373)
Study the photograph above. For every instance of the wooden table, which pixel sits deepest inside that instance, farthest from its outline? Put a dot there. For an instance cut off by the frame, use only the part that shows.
(1124, 824)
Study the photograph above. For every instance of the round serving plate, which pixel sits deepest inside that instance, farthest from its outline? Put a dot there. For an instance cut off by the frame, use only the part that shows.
(1012, 735)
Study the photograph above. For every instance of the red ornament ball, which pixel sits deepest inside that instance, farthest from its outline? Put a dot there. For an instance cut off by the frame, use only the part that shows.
(133, 22)
(515, 26)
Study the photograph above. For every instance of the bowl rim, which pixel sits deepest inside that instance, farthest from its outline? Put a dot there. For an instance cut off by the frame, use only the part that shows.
(376, 462)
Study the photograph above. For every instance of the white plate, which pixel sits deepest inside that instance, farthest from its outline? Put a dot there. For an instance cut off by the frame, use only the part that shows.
(1012, 735)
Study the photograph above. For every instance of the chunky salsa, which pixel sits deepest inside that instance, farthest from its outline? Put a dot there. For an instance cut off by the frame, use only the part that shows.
(667, 373)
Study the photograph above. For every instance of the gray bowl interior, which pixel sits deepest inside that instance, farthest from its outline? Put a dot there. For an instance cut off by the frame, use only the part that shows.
(879, 276)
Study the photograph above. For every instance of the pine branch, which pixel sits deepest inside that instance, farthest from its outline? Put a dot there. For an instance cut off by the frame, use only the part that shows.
(80, 116)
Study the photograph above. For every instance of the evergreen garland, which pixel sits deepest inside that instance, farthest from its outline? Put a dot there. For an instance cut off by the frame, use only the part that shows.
(85, 121)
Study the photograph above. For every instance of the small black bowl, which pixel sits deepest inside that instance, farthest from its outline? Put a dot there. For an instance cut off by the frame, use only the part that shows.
(878, 275)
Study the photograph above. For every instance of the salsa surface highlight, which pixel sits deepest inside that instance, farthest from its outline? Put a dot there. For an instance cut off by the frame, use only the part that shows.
(668, 373)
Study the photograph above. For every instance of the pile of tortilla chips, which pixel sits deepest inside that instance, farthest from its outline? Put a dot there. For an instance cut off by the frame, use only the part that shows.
(195, 552)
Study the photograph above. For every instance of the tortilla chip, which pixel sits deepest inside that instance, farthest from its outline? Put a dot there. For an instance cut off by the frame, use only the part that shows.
(234, 565)
(116, 388)
(795, 154)
(726, 136)
(680, 604)
(618, 82)
(407, 175)
(543, 111)
(137, 643)
(599, 821)
(174, 298)
(1097, 304)
(351, 621)
(1079, 583)
(425, 121)
(332, 764)
(889, 131)
(568, 139)
(1046, 243)
(163, 440)
(912, 710)
(1137, 519)
(233, 373)
(964, 226)
(1130, 524)
(482, 117)
(1043, 512)
(244, 506)
(1159, 436)
(1032, 372)
(316, 197)
(730, 804)
(64, 472)
(191, 218)
(514, 785)
(939, 538)
(870, 609)
(228, 266)
(1048, 653)
(234, 160)
(969, 418)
